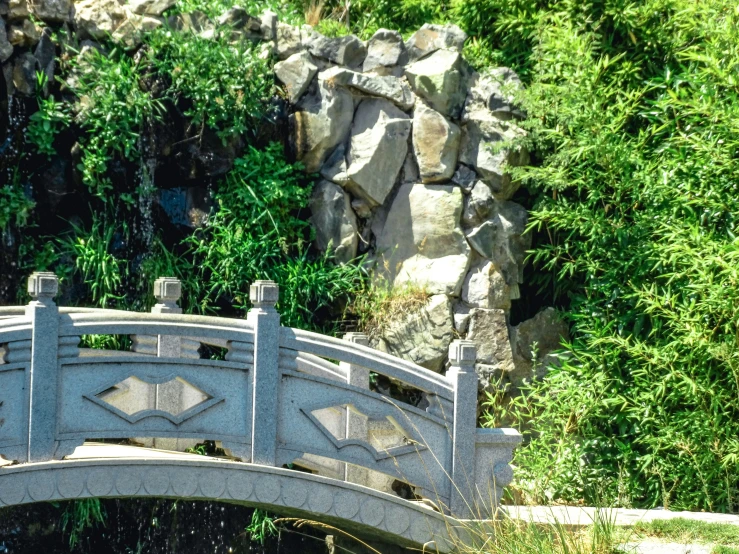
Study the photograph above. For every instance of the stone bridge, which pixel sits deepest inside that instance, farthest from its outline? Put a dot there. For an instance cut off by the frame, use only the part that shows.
(304, 433)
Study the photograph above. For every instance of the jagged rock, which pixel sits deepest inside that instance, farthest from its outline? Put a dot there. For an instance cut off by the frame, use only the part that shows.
(493, 92)
(269, 20)
(17, 9)
(348, 50)
(388, 87)
(421, 241)
(464, 177)
(461, 317)
(362, 209)
(321, 123)
(150, 7)
(129, 34)
(98, 18)
(533, 343)
(289, 40)
(334, 221)
(503, 240)
(410, 172)
(485, 287)
(241, 24)
(479, 205)
(478, 150)
(440, 79)
(335, 167)
(296, 73)
(377, 148)
(25, 34)
(489, 330)
(195, 22)
(435, 143)
(430, 38)
(423, 337)
(6, 49)
(51, 11)
(385, 50)
(24, 74)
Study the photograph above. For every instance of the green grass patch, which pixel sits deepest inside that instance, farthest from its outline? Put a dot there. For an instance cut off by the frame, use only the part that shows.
(687, 531)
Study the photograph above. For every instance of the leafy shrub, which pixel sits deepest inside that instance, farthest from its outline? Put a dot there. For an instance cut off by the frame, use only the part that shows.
(50, 119)
(633, 115)
(225, 85)
(15, 206)
(260, 232)
(113, 109)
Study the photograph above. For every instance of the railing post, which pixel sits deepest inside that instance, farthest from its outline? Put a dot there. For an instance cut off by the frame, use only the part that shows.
(266, 375)
(42, 382)
(167, 291)
(356, 424)
(462, 356)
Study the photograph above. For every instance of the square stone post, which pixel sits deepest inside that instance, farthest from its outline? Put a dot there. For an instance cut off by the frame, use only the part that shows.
(167, 291)
(356, 424)
(462, 356)
(266, 374)
(42, 382)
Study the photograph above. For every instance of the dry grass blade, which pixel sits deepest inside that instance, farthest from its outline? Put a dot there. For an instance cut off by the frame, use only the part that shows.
(325, 527)
(313, 12)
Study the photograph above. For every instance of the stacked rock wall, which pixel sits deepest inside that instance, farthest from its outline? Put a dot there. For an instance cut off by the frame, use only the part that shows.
(407, 139)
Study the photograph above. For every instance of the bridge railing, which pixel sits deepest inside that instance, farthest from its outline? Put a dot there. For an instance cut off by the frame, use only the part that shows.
(279, 395)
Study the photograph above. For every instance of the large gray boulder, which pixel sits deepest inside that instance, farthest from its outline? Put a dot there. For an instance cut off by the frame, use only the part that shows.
(430, 38)
(493, 92)
(503, 239)
(334, 221)
(334, 169)
(481, 150)
(441, 80)
(534, 343)
(348, 50)
(479, 205)
(290, 40)
(51, 11)
(489, 331)
(385, 50)
(388, 87)
(435, 143)
(377, 148)
(25, 33)
(6, 49)
(485, 287)
(296, 73)
(321, 122)
(422, 337)
(421, 241)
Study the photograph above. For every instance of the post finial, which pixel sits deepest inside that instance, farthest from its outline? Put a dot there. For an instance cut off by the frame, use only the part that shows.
(264, 294)
(357, 338)
(43, 285)
(462, 352)
(167, 291)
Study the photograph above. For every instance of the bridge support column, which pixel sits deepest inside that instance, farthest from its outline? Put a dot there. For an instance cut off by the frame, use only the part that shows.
(42, 381)
(356, 425)
(266, 374)
(462, 355)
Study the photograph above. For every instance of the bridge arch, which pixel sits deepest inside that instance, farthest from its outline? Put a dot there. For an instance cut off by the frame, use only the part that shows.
(291, 493)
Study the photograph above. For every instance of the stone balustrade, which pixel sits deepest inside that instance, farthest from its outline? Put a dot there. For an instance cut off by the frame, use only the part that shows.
(279, 397)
